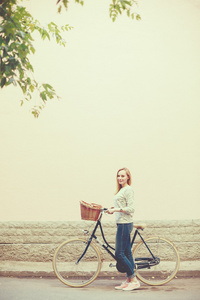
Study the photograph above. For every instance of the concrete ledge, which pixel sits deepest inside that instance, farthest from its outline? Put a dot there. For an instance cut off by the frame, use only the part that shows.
(45, 269)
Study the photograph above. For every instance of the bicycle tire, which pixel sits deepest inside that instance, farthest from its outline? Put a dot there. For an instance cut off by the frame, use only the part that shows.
(168, 267)
(74, 274)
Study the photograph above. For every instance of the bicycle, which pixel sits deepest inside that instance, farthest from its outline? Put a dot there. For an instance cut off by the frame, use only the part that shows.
(78, 262)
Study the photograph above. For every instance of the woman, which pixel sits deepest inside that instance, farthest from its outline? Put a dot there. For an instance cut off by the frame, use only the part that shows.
(123, 209)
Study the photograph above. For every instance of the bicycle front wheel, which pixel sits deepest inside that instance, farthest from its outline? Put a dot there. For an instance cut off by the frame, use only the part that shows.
(72, 271)
(167, 255)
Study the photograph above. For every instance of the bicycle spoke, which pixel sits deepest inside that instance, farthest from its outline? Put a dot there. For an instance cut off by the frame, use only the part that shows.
(167, 267)
(72, 272)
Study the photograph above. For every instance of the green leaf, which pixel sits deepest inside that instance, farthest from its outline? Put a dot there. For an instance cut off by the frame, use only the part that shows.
(43, 96)
(11, 80)
(7, 39)
(22, 34)
(47, 86)
(118, 8)
(32, 88)
(138, 17)
(32, 49)
(3, 81)
(127, 2)
(35, 112)
(123, 5)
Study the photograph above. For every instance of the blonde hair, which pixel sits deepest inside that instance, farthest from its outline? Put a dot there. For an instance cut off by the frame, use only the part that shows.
(129, 181)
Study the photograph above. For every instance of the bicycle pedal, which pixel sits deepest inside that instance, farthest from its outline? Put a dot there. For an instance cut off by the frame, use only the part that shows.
(112, 265)
(85, 232)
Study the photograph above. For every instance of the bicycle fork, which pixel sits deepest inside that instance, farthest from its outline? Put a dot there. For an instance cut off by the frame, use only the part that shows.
(88, 244)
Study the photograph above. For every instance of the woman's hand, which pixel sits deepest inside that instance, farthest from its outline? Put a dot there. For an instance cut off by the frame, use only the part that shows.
(110, 211)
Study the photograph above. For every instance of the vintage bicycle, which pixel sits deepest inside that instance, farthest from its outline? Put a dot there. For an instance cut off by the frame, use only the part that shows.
(77, 262)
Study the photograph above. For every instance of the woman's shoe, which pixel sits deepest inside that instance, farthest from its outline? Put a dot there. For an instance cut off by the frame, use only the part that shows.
(132, 286)
(122, 286)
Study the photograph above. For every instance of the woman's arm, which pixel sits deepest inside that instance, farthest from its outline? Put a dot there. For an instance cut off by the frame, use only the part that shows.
(129, 196)
(112, 210)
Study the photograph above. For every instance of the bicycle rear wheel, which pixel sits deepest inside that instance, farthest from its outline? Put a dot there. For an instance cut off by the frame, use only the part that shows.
(169, 263)
(69, 270)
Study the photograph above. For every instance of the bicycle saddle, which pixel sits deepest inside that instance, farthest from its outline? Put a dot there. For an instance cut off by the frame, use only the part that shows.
(140, 226)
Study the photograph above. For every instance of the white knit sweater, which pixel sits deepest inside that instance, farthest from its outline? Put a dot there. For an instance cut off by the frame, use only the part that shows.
(124, 199)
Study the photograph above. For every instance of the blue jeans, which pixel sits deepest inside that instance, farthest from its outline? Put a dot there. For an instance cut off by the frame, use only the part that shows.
(123, 248)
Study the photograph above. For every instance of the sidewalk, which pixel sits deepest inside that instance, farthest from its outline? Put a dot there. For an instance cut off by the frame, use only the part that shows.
(51, 289)
(45, 269)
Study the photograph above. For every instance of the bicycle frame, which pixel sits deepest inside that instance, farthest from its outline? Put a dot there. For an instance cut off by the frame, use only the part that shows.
(146, 262)
(140, 263)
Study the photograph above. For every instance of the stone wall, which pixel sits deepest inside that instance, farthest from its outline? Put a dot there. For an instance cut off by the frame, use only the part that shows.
(27, 248)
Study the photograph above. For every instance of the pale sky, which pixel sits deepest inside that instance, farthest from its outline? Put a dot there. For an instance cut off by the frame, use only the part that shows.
(130, 96)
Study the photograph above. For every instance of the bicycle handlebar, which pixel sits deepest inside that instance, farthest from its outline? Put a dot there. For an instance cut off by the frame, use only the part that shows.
(104, 209)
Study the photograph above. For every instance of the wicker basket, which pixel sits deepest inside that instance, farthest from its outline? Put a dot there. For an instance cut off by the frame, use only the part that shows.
(90, 212)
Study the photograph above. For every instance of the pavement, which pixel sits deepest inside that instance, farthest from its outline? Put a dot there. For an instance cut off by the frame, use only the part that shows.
(45, 269)
(12, 288)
